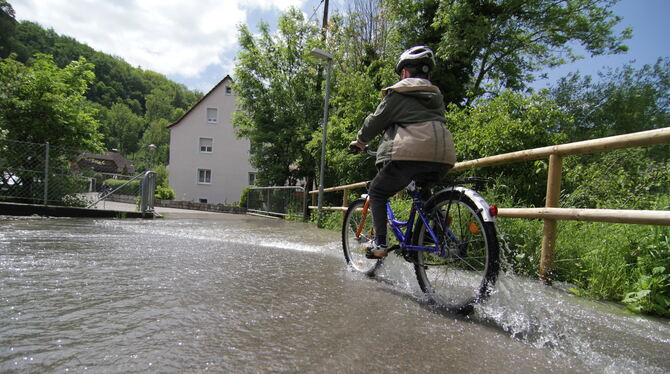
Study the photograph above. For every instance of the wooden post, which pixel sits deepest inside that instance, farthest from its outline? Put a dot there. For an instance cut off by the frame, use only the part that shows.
(345, 198)
(553, 195)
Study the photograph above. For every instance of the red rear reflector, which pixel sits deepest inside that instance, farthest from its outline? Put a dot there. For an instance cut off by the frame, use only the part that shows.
(493, 210)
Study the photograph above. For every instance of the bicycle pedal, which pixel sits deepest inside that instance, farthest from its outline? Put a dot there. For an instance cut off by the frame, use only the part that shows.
(371, 256)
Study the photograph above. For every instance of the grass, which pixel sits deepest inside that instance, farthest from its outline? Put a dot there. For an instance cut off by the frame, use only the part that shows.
(615, 262)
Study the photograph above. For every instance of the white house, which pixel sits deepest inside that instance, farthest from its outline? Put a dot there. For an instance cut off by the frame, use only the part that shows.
(208, 163)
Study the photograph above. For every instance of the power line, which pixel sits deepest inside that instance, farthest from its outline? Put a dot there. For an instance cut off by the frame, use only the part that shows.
(315, 10)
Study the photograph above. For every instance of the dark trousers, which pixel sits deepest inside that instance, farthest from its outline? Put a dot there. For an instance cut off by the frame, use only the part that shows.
(392, 178)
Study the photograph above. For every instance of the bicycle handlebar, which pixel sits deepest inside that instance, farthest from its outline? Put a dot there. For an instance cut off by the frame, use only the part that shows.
(353, 150)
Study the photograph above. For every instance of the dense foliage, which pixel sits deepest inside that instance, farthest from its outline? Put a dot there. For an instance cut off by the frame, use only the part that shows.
(487, 53)
(486, 46)
(279, 108)
(43, 103)
(131, 106)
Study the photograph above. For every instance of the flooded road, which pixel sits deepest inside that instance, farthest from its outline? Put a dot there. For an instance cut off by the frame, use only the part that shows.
(243, 294)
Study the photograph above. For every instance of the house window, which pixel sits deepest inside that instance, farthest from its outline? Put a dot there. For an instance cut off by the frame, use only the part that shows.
(204, 201)
(204, 176)
(212, 115)
(229, 90)
(206, 145)
(252, 179)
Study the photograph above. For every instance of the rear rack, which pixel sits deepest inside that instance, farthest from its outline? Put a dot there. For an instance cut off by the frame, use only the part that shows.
(479, 183)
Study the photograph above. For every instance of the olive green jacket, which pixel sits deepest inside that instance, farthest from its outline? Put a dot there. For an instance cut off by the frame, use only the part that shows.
(411, 117)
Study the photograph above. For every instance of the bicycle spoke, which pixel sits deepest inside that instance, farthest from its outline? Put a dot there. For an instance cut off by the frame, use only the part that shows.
(463, 273)
(357, 234)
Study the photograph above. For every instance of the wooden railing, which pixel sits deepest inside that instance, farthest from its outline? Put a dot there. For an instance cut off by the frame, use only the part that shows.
(551, 213)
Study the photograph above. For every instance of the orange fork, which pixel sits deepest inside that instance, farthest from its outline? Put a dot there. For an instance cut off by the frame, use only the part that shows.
(364, 213)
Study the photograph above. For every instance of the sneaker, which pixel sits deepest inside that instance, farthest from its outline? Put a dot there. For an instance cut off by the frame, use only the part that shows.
(376, 251)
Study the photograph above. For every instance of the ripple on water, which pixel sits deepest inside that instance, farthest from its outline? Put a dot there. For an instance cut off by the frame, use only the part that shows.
(256, 295)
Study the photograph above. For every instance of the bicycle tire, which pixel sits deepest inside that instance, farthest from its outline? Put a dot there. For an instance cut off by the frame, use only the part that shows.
(467, 273)
(354, 247)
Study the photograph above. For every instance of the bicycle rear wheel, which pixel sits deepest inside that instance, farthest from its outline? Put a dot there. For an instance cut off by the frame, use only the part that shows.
(467, 272)
(358, 233)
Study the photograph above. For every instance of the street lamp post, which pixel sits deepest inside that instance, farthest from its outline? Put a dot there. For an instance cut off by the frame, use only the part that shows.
(152, 150)
(325, 56)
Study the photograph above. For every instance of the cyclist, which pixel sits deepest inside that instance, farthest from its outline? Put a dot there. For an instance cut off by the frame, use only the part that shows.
(416, 145)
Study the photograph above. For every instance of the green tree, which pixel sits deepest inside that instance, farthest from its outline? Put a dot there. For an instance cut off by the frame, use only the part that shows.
(364, 49)
(7, 28)
(122, 129)
(121, 94)
(157, 134)
(43, 103)
(116, 81)
(486, 45)
(278, 108)
(621, 101)
(159, 105)
(509, 122)
(416, 26)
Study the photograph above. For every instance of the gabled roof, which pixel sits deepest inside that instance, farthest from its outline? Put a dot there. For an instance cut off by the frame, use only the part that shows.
(227, 77)
(109, 162)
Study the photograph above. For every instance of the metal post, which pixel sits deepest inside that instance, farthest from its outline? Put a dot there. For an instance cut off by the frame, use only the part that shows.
(549, 235)
(147, 193)
(324, 137)
(143, 189)
(46, 174)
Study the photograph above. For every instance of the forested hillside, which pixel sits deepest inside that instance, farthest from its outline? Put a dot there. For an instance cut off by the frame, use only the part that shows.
(130, 107)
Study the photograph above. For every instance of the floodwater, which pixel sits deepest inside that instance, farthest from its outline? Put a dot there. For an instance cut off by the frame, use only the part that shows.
(243, 294)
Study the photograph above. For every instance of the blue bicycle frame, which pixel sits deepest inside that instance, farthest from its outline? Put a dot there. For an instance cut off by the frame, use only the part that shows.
(406, 237)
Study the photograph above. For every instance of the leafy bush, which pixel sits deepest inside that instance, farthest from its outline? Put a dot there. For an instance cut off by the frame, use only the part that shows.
(164, 193)
(507, 123)
(244, 195)
(616, 262)
(652, 293)
(161, 175)
(332, 220)
(132, 188)
(65, 190)
(74, 201)
(623, 179)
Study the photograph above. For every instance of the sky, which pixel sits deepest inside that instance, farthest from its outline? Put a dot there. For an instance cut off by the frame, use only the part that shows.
(195, 42)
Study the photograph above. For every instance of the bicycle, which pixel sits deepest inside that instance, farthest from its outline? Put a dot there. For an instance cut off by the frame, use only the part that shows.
(450, 238)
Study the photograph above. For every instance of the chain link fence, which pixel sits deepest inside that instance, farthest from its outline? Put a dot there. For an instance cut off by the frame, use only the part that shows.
(286, 201)
(34, 173)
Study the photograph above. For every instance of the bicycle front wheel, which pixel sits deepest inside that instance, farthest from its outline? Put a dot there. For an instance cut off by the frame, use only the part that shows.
(358, 233)
(467, 271)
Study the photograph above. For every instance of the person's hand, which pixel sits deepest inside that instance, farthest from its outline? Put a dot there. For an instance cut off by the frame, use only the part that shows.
(356, 147)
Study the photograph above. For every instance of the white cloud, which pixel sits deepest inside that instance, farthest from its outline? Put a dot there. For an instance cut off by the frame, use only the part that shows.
(269, 5)
(172, 37)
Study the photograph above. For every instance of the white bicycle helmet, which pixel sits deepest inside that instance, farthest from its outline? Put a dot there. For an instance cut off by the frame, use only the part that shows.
(419, 55)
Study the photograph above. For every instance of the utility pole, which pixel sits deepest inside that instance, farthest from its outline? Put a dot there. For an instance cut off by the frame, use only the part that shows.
(324, 34)
(324, 24)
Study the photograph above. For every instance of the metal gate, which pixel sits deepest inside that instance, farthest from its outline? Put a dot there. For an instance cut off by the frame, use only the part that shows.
(285, 201)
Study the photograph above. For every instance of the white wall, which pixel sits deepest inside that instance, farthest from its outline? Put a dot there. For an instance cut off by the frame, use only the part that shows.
(229, 160)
